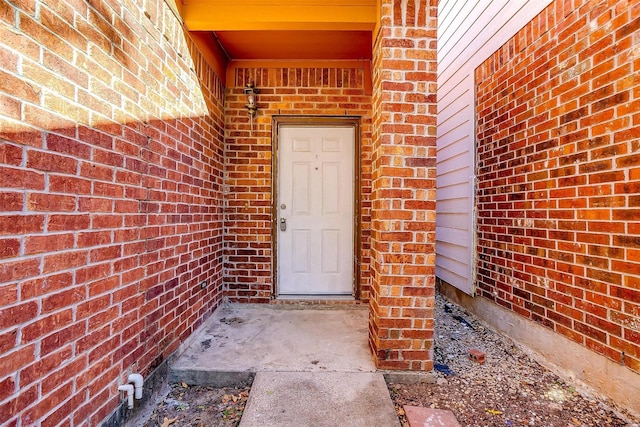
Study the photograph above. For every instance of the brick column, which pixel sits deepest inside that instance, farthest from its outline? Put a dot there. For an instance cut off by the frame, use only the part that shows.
(404, 182)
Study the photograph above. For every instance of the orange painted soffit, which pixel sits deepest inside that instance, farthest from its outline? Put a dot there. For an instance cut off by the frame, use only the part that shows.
(235, 15)
(299, 45)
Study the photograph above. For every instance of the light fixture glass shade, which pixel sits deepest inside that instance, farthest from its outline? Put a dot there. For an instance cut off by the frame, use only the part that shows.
(250, 91)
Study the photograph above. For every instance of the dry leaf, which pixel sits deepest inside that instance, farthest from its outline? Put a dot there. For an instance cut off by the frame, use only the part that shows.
(167, 422)
(184, 385)
(494, 411)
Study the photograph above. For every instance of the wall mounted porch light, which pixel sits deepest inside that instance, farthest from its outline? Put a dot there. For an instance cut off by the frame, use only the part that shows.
(252, 107)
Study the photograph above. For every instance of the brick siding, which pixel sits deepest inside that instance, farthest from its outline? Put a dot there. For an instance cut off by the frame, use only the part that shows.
(111, 145)
(403, 186)
(559, 175)
(248, 165)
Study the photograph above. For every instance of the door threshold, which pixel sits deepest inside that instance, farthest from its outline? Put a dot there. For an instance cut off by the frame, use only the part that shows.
(318, 300)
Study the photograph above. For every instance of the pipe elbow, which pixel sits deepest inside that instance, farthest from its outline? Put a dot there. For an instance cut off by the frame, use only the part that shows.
(138, 382)
(128, 388)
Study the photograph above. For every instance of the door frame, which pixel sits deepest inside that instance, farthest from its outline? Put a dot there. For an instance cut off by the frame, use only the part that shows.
(279, 121)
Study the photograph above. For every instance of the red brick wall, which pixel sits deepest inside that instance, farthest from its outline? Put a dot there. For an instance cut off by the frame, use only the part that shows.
(559, 175)
(110, 201)
(403, 186)
(248, 203)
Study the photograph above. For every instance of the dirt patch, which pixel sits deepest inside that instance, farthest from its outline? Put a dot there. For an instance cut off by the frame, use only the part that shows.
(199, 407)
(508, 389)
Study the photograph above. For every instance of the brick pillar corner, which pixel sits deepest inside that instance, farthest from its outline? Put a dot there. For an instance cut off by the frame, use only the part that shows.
(404, 186)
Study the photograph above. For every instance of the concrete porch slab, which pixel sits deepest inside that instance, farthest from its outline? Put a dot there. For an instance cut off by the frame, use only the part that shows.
(312, 365)
(240, 340)
(319, 399)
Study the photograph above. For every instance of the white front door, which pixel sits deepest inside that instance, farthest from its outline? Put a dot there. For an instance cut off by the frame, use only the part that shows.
(315, 210)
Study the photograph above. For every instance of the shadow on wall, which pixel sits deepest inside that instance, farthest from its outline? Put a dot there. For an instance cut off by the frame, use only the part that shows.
(111, 158)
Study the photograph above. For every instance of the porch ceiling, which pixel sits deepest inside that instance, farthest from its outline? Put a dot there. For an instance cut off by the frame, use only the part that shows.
(285, 29)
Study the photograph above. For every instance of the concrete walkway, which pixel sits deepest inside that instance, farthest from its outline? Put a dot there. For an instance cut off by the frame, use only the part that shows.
(312, 367)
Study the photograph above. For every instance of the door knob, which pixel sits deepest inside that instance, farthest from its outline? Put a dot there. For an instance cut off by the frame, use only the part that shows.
(283, 224)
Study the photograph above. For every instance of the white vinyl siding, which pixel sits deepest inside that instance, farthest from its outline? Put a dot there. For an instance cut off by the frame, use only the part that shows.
(468, 33)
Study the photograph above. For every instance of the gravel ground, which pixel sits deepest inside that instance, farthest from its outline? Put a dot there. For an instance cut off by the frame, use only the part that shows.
(509, 389)
(199, 407)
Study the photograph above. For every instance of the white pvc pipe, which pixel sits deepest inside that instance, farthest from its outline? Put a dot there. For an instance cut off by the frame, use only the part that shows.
(138, 382)
(129, 389)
